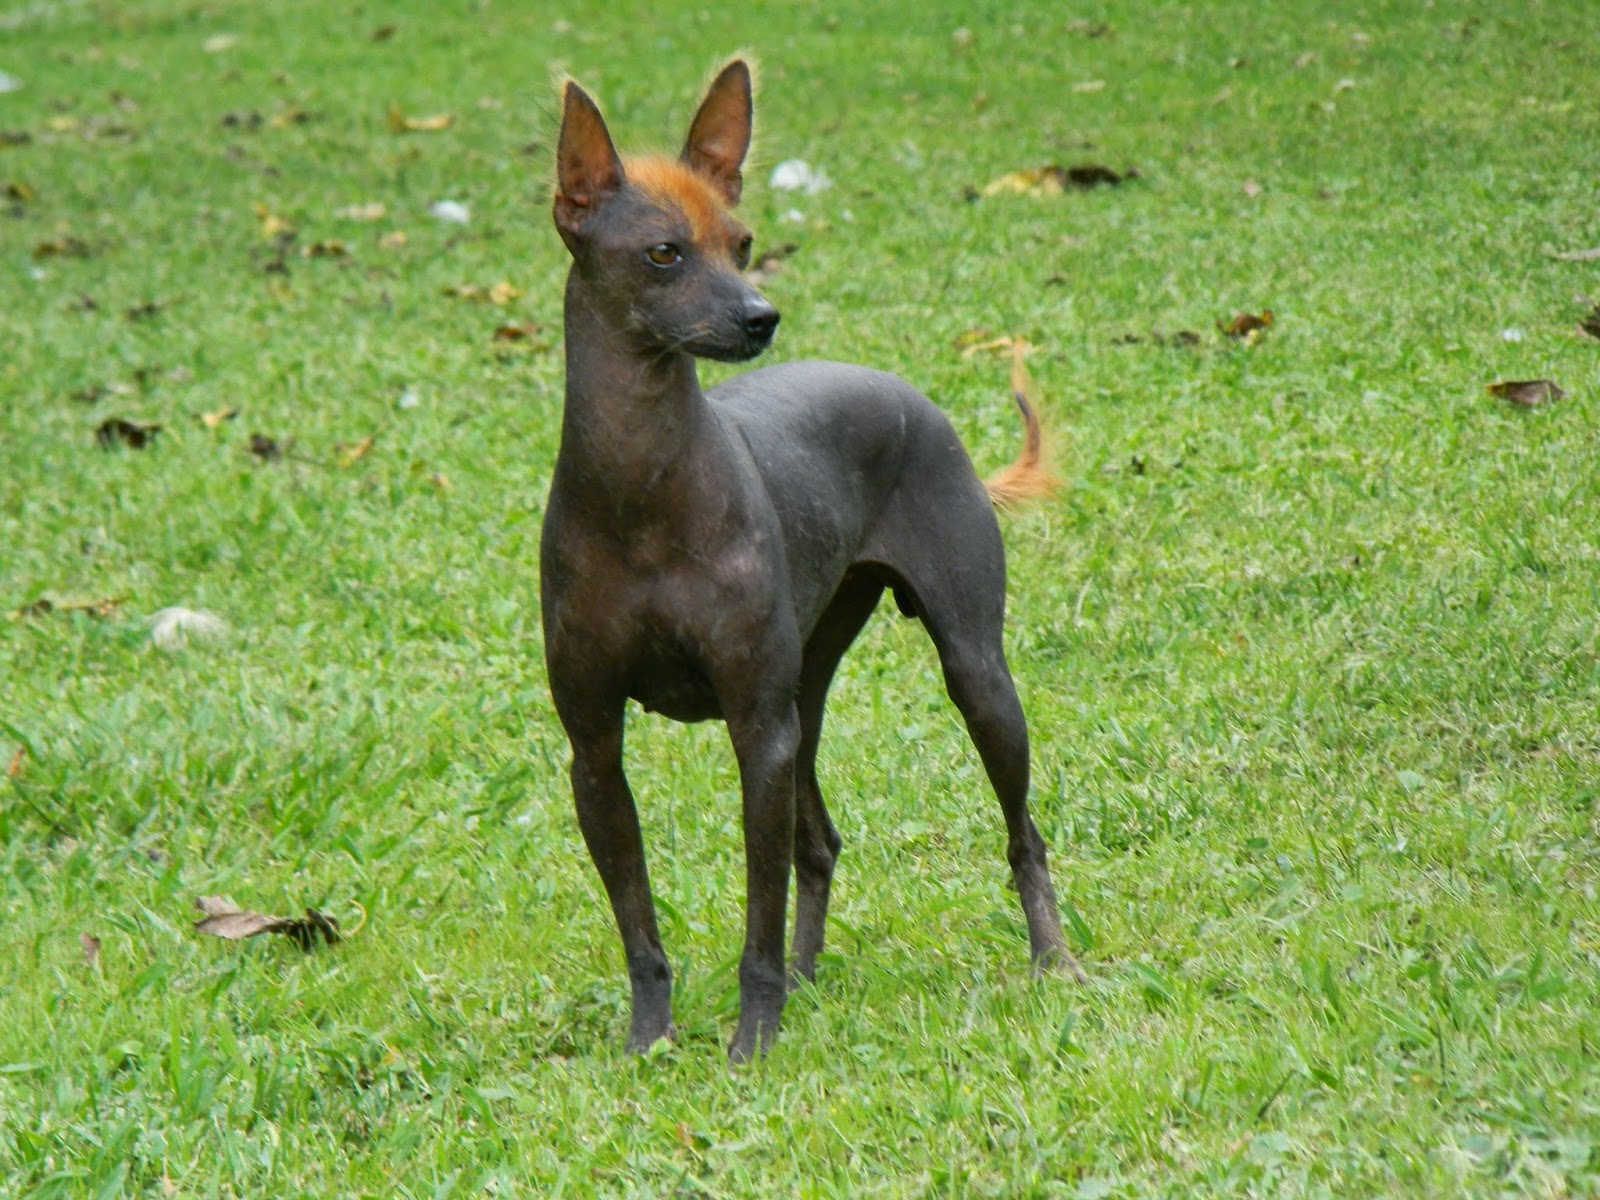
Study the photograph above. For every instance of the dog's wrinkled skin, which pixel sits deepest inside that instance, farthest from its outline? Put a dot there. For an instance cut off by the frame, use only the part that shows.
(712, 555)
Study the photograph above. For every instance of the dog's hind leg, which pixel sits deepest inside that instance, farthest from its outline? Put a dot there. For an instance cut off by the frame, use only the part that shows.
(816, 842)
(980, 683)
(956, 579)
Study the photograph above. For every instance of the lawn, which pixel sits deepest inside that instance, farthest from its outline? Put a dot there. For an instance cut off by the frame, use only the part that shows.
(1308, 644)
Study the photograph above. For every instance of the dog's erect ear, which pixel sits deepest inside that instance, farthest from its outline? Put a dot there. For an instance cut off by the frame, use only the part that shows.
(719, 137)
(587, 167)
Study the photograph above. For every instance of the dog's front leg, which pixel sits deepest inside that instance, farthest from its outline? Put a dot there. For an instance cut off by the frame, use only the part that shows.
(765, 741)
(610, 825)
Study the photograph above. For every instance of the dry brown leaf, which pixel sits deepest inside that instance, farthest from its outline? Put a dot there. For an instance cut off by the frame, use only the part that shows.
(1252, 189)
(265, 448)
(224, 919)
(1052, 180)
(400, 123)
(354, 452)
(291, 116)
(219, 418)
(1526, 393)
(91, 950)
(332, 248)
(384, 32)
(17, 760)
(44, 606)
(393, 240)
(373, 211)
(1591, 323)
(20, 192)
(516, 333)
(146, 309)
(272, 225)
(1247, 327)
(137, 434)
(65, 246)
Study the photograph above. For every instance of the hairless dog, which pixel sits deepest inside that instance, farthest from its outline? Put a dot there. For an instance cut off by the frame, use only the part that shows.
(713, 554)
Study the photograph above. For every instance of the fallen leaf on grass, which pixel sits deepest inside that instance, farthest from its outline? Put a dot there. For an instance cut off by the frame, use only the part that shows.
(91, 950)
(172, 627)
(1182, 337)
(332, 248)
(1526, 393)
(291, 116)
(272, 225)
(1252, 189)
(44, 606)
(1247, 327)
(400, 123)
(65, 246)
(516, 333)
(1591, 323)
(20, 192)
(501, 293)
(137, 434)
(224, 919)
(215, 420)
(245, 119)
(146, 309)
(374, 211)
(393, 240)
(1053, 180)
(355, 452)
(17, 759)
(15, 137)
(384, 32)
(265, 448)
(1578, 255)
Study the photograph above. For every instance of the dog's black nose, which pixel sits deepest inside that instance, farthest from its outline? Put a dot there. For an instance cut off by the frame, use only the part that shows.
(760, 320)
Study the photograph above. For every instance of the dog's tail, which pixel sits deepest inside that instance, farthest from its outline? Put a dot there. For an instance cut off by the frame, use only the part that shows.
(1029, 478)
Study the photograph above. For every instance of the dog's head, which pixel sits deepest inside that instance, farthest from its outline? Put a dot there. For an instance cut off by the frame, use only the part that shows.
(655, 239)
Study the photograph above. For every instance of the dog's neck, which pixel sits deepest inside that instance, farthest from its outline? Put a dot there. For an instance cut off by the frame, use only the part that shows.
(635, 421)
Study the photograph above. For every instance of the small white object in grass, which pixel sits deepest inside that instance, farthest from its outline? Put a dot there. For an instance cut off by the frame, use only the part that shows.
(1511, 335)
(38, 274)
(217, 43)
(793, 217)
(9, 83)
(409, 399)
(171, 628)
(453, 211)
(797, 175)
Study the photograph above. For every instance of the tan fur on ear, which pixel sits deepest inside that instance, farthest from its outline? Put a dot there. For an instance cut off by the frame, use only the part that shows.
(1030, 477)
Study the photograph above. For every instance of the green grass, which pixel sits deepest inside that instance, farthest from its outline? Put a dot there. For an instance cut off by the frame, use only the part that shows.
(1313, 687)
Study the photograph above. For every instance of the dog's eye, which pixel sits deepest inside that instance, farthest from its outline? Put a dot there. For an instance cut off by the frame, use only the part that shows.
(743, 255)
(663, 254)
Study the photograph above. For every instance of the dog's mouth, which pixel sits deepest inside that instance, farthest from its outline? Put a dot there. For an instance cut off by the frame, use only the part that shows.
(739, 347)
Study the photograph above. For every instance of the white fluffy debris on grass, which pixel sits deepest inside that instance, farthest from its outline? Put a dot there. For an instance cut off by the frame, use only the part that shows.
(173, 628)
(452, 211)
(797, 175)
